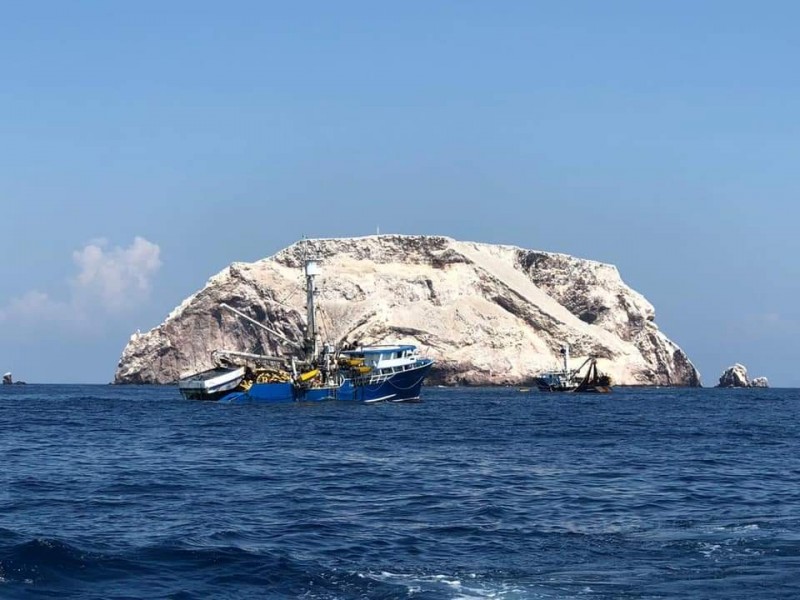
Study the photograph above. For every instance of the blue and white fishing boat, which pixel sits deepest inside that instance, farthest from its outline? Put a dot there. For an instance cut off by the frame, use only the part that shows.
(318, 372)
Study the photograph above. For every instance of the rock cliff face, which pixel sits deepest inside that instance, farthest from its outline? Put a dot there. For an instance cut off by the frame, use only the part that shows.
(736, 376)
(488, 314)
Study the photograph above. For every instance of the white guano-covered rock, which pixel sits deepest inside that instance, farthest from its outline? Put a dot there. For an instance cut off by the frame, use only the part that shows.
(488, 314)
(735, 376)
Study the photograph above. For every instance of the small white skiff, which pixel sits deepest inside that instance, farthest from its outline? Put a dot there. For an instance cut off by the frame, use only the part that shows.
(209, 385)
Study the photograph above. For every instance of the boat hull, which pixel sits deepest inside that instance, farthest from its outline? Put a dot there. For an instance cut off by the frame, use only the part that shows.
(547, 385)
(402, 386)
(212, 384)
(555, 382)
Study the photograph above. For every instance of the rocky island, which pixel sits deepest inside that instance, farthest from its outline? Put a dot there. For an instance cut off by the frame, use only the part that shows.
(487, 314)
(735, 376)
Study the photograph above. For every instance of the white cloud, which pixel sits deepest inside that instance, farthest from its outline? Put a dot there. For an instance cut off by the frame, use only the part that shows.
(120, 277)
(109, 280)
(34, 304)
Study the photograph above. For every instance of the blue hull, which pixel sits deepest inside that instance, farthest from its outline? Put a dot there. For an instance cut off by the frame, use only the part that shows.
(395, 387)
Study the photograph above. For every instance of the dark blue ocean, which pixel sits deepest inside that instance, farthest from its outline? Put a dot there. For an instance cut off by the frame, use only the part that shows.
(131, 492)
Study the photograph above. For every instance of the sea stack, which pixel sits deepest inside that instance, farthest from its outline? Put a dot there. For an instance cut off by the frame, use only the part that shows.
(736, 376)
(487, 314)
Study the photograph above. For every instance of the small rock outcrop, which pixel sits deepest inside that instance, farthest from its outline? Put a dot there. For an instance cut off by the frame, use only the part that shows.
(8, 380)
(736, 376)
(487, 314)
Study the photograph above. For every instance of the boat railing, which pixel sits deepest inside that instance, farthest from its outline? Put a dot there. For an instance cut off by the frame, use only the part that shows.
(222, 354)
(380, 375)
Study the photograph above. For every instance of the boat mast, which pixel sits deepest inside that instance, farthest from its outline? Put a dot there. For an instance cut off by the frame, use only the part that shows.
(311, 270)
(565, 354)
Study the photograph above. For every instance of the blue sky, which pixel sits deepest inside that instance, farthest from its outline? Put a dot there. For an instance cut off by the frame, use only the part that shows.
(146, 145)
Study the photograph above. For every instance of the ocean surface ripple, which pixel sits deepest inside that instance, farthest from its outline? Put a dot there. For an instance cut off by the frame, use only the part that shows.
(131, 492)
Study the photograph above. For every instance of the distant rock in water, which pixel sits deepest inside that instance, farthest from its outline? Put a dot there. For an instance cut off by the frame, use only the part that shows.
(8, 380)
(736, 376)
(487, 314)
